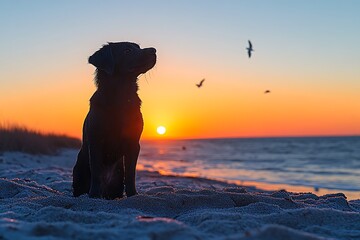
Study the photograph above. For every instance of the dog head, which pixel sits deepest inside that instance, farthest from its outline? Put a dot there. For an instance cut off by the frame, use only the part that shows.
(123, 59)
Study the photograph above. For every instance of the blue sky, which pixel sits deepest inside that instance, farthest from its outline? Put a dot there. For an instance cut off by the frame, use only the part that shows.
(198, 28)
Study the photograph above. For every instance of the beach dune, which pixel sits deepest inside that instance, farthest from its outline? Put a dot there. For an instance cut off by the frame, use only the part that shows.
(36, 201)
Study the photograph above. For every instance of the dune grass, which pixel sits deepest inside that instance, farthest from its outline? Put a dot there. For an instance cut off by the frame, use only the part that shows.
(21, 139)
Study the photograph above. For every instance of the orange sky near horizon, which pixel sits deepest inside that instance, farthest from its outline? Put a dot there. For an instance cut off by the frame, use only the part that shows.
(226, 106)
(312, 69)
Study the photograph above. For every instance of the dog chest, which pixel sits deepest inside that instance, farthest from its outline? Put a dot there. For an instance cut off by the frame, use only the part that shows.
(112, 124)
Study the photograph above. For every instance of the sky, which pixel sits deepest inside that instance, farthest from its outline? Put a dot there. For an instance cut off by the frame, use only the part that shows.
(307, 54)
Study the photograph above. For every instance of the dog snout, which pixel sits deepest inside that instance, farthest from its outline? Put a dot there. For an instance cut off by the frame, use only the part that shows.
(150, 51)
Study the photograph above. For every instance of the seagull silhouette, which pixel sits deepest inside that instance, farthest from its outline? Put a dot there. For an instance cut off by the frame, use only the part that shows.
(267, 91)
(249, 49)
(200, 83)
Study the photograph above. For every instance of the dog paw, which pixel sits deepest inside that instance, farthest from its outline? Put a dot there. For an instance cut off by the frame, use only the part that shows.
(131, 193)
(95, 193)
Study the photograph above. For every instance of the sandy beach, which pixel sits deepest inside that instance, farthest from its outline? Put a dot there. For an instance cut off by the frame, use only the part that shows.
(36, 202)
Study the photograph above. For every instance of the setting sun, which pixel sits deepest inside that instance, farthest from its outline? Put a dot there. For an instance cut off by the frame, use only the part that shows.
(161, 130)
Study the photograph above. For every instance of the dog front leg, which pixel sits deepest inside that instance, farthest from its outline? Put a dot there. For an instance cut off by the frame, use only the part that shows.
(81, 173)
(96, 159)
(130, 169)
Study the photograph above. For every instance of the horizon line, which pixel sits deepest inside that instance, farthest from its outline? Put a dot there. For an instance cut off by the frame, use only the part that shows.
(253, 137)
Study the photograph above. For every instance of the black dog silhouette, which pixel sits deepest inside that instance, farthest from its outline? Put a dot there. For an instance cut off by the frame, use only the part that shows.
(112, 128)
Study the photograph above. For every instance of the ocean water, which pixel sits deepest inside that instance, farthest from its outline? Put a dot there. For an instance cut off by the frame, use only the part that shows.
(318, 162)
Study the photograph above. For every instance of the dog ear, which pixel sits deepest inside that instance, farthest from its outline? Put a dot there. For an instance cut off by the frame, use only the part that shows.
(103, 59)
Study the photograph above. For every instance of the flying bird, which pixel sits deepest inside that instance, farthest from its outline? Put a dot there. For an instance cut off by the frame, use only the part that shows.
(200, 83)
(267, 91)
(249, 49)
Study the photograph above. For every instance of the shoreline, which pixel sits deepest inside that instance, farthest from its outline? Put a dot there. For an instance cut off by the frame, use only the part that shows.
(351, 195)
(70, 156)
(268, 187)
